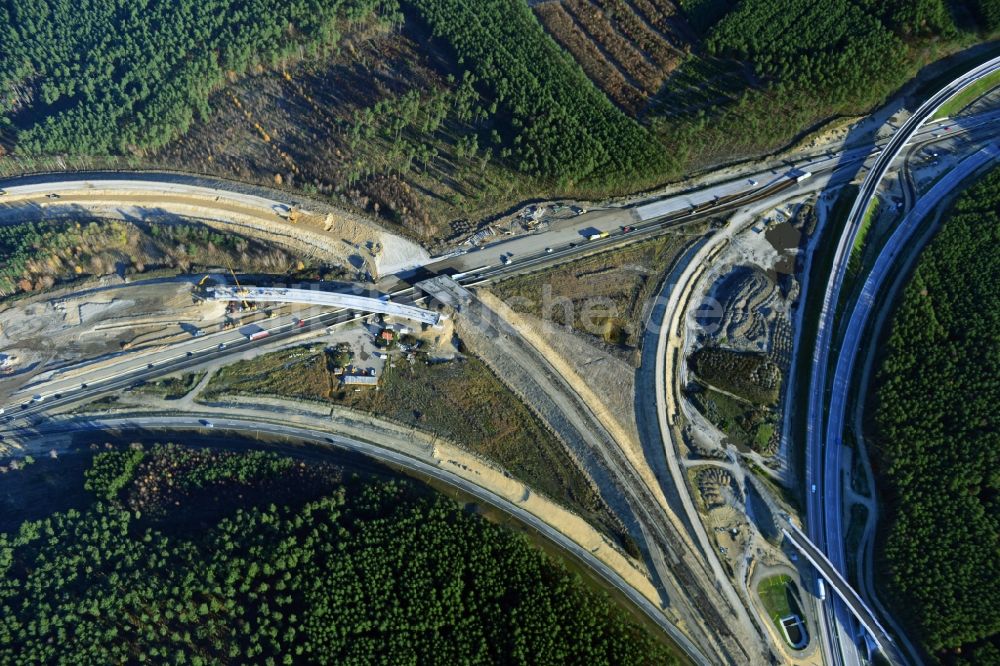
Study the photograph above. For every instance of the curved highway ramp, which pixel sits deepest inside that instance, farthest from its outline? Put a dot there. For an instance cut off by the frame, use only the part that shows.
(326, 298)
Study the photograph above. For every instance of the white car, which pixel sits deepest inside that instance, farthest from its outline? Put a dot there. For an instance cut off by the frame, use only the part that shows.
(548, 250)
(753, 183)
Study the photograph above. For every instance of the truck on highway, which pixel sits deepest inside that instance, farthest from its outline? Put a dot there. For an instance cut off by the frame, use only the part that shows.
(597, 236)
(821, 589)
(259, 335)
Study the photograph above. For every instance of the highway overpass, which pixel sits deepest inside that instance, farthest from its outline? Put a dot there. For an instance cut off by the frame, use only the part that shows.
(885, 264)
(333, 299)
(840, 587)
(823, 468)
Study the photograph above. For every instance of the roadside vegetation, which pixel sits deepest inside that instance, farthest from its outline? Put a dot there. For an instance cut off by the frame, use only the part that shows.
(751, 376)
(963, 99)
(460, 400)
(737, 391)
(938, 436)
(205, 556)
(38, 255)
(602, 296)
(432, 112)
(852, 541)
(858, 250)
(780, 598)
(171, 388)
(744, 423)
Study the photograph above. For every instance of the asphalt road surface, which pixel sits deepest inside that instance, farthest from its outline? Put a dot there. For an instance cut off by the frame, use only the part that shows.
(298, 432)
(562, 240)
(823, 475)
(856, 328)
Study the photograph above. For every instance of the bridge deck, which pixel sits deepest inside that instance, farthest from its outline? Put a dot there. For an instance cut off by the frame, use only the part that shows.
(841, 588)
(325, 298)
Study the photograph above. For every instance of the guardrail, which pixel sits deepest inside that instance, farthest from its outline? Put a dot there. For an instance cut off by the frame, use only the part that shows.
(824, 336)
(380, 305)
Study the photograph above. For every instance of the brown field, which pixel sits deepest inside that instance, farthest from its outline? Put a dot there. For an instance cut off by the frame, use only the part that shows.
(665, 54)
(603, 296)
(373, 126)
(598, 68)
(629, 59)
(460, 400)
(628, 48)
(657, 12)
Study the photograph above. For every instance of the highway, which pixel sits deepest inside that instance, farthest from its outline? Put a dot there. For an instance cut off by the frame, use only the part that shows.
(569, 236)
(823, 508)
(530, 252)
(857, 324)
(298, 432)
(88, 381)
(331, 299)
(834, 579)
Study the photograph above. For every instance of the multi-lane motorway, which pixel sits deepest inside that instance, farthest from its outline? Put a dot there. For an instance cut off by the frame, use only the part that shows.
(823, 475)
(568, 237)
(298, 432)
(73, 385)
(561, 241)
(856, 327)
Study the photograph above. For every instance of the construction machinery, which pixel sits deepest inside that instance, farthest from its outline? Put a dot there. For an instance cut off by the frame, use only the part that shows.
(240, 291)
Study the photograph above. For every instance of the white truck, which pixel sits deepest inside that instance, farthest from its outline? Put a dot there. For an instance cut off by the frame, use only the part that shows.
(821, 589)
